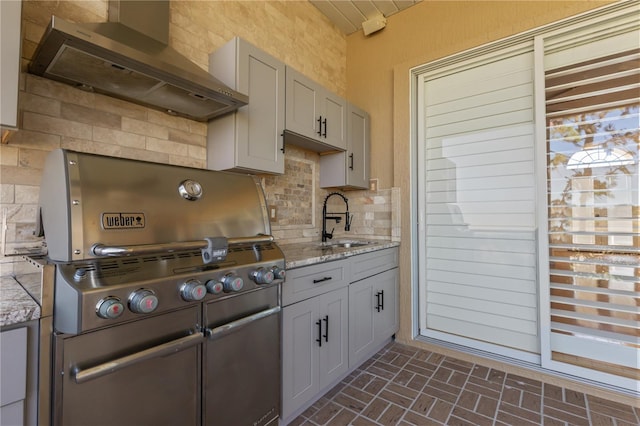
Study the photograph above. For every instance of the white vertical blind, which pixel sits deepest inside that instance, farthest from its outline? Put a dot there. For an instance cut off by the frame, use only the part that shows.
(479, 203)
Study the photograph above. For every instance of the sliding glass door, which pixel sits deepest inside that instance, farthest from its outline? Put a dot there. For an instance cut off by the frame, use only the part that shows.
(528, 198)
(477, 187)
(591, 119)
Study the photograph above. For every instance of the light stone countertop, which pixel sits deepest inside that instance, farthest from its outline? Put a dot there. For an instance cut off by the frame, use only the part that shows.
(17, 302)
(297, 255)
(16, 305)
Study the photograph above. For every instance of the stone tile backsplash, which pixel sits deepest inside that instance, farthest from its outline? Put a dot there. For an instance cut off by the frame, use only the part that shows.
(69, 124)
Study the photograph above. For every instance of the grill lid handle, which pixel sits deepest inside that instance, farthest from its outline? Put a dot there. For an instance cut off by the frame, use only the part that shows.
(101, 250)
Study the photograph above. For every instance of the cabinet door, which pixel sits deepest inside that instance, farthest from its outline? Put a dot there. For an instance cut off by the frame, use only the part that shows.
(302, 113)
(349, 169)
(361, 332)
(385, 318)
(263, 118)
(333, 110)
(10, 65)
(250, 139)
(373, 314)
(358, 148)
(299, 355)
(334, 353)
(13, 363)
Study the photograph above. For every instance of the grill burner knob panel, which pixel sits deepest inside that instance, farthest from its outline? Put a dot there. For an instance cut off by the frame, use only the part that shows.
(262, 276)
(232, 282)
(214, 287)
(109, 308)
(278, 273)
(193, 290)
(143, 301)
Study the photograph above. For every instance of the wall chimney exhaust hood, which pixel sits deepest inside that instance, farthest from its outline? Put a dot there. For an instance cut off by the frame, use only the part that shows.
(129, 58)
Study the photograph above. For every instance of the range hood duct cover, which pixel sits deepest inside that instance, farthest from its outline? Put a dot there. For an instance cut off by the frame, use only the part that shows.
(131, 63)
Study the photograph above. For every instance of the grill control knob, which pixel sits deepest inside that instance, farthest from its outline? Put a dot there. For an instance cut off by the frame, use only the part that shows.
(232, 282)
(192, 291)
(143, 301)
(80, 274)
(278, 273)
(109, 308)
(262, 276)
(214, 287)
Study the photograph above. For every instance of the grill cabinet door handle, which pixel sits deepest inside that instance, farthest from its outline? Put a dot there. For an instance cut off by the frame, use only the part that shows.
(222, 330)
(320, 280)
(326, 328)
(319, 339)
(378, 302)
(351, 161)
(82, 376)
(382, 299)
(319, 126)
(324, 134)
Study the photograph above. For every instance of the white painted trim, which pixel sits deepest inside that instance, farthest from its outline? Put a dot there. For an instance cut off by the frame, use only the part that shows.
(415, 124)
(421, 198)
(540, 130)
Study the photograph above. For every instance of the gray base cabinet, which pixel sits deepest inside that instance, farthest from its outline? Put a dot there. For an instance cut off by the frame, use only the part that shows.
(373, 315)
(250, 139)
(314, 332)
(13, 391)
(314, 344)
(335, 316)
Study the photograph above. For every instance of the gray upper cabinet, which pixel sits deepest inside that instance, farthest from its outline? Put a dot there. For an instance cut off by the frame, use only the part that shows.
(250, 139)
(349, 169)
(316, 119)
(10, 16)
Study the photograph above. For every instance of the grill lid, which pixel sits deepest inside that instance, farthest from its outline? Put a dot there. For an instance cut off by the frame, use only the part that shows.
(112, 206)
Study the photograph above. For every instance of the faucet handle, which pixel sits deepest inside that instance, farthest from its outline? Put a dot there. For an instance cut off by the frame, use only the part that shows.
(347, 226)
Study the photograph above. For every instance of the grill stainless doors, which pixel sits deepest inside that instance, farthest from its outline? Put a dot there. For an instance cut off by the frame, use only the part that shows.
(95, 385)
(242, 359)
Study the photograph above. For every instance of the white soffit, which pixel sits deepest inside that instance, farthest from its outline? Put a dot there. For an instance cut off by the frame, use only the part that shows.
(348, 15)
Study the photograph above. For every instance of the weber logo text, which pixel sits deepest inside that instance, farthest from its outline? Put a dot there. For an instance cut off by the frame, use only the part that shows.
(122, 220)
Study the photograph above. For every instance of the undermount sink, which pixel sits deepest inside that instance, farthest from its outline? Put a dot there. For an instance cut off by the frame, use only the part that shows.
(345, 243)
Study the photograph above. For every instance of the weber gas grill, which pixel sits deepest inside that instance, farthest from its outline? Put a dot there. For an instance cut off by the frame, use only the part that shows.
(167, 294)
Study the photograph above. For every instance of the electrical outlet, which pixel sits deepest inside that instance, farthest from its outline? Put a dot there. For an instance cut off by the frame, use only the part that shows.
(373, 184)
(273, 214)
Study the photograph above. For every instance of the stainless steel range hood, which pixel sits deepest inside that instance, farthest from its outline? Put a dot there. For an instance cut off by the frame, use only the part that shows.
(128, 58)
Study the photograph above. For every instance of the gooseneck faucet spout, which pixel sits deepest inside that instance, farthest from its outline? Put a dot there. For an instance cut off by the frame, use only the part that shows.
(335, 216)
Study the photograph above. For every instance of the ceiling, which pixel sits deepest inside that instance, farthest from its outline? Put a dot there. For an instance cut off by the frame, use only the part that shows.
(348, 15)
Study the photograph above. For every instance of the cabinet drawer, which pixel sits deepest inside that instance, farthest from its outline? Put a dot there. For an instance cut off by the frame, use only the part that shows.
(368, 264)
(309, 281)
